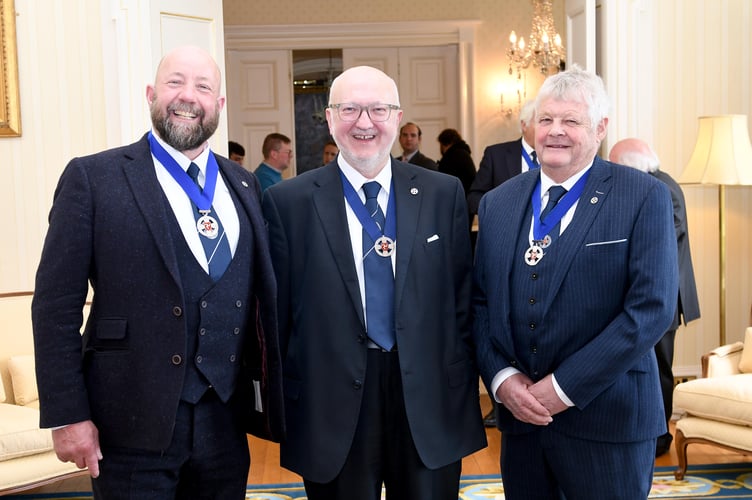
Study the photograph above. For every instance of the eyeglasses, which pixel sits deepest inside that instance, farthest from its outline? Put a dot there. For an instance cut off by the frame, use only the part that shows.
(282, 152)
(350, 112)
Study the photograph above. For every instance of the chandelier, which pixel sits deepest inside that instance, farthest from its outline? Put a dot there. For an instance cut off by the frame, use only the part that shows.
(544, 49)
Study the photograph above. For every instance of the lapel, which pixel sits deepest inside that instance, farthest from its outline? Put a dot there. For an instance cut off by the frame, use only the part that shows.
(408, 197)
(513, 161)
(328, 200)
(589, 205)
(138, 168)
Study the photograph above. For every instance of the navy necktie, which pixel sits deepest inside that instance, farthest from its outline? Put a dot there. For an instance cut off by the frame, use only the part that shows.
(534, 157)
(217, 249)
(554, 195)
(379, 278)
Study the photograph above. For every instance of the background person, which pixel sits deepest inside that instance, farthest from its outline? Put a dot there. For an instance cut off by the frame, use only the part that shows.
(156, 395)
(410, 138)
(277, 153)
(329, 153)
(567, 352)
(456, 157)
(381, 382)
(638, 154)
(235, 152)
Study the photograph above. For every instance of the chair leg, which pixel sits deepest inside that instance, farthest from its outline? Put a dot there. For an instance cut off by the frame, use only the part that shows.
(680, 442)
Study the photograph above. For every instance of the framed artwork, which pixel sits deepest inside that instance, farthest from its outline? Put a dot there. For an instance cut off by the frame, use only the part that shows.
(10, 105)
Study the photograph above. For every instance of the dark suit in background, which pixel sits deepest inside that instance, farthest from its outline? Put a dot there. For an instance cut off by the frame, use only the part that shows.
(500, 163)
(357, 415)
(423, 161)
(162, 379)
(638, 154)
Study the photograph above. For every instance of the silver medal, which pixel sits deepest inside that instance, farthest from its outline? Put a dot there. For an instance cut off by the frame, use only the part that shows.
(533, 255)
(207, 226)
(384, 246)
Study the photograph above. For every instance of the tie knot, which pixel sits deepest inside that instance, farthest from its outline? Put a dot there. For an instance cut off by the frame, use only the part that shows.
(193, 171)
(534, 157)
(555, 193)
(371, 189)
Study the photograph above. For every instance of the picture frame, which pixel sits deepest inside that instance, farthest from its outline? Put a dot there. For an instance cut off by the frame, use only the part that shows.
(10, 105)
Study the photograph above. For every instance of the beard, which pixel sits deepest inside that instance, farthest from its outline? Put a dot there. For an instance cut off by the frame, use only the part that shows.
(183, 137)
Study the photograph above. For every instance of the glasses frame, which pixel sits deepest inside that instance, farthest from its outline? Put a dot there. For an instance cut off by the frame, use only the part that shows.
(390, 107)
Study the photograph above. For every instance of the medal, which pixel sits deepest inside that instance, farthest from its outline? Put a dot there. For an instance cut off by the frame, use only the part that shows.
(384, 246)
(207, 226)
(533, 255)
(544, 243)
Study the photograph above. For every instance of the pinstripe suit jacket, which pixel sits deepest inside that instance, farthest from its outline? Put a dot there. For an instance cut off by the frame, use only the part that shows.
(613, 296)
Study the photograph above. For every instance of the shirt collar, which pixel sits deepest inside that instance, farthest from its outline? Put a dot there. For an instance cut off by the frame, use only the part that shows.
(183, 160)
(547, 182)
(384, 177)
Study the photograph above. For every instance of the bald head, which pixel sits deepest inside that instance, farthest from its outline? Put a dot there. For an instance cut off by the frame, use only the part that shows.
(363, 81)
(180, 58)
(634, 153)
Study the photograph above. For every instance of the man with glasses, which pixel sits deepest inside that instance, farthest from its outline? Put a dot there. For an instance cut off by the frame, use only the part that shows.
(277, 152)
(373, 261)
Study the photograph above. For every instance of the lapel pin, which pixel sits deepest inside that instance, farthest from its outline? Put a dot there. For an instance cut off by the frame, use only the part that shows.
(593, 200)
(413, 191)
(244, 183)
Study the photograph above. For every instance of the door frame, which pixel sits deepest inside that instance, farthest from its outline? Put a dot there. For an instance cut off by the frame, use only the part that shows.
(365, 35)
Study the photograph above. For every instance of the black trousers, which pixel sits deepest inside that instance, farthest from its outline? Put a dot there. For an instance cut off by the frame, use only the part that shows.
(664, 353)
(383, 450)
(207, 459)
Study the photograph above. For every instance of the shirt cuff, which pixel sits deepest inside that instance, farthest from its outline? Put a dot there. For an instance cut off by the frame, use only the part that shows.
(559, 392)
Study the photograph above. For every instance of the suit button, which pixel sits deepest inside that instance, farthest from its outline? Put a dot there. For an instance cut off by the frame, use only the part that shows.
(532, 326)
(199, 358)
(534, 276)
(176, 359)
(531, 300)
(534, 349)
(177, 311)
(357, 384)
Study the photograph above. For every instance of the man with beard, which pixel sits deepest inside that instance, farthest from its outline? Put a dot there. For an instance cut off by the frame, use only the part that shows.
(156, 395)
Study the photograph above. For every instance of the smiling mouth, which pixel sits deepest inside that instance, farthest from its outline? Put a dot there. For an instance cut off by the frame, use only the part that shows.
(185, 114)
(362, 137)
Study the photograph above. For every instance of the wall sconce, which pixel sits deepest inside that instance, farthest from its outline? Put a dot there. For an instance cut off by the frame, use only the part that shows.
(514, 97)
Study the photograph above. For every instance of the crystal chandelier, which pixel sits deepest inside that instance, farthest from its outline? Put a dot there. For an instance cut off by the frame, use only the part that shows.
(544, 49)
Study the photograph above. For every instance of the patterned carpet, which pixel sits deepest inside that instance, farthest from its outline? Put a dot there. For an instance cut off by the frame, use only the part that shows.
(702, 481)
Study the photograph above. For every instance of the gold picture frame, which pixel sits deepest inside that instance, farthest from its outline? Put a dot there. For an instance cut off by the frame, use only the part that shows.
(10, 105)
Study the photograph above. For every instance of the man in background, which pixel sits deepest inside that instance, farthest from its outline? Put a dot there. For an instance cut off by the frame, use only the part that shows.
(330, 152)
(235, 152)
(410, 138)
(373, 260)
(503, 161)
(277, 153)
(156, 395)
(638, 154)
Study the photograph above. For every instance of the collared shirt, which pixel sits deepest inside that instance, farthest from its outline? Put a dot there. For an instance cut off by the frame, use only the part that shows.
(546, 183)
(407, 157)
(356, 230)
(529, 150)
(181, 204)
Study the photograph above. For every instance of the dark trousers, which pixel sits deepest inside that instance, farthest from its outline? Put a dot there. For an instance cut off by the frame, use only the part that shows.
(664, 353)
(547, 465)
(383, 450)
(207, 459)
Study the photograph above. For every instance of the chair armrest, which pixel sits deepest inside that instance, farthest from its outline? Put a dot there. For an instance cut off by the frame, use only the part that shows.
(723, 360)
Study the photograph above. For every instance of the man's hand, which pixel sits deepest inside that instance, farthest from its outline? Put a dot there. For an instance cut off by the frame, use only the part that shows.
(79, 443)
(544, 392)
(515, 395)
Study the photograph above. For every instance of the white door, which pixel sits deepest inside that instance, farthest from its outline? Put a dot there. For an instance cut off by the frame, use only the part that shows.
(427, 80)
(259, 100)
(581, 33)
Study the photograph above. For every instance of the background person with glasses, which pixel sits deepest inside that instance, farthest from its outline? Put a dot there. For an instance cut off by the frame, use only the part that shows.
(277, 154)
(381, 385)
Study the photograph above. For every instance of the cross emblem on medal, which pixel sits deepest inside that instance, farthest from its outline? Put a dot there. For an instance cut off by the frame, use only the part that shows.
(533, 255)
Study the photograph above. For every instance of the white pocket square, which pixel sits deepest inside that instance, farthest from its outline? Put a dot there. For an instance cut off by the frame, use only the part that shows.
(432, 238)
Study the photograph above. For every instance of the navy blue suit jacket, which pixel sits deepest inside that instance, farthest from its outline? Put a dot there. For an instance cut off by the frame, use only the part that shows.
(110, 227)
(322, 328)
(612, 297)
(500, 163)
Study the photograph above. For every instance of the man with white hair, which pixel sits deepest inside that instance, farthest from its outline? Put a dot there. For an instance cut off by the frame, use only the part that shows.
(638, 154)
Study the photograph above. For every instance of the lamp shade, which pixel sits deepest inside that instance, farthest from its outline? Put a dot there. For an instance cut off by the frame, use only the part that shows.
(723, 154)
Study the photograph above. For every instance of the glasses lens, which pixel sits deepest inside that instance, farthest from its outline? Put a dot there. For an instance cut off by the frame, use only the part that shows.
(351, 112)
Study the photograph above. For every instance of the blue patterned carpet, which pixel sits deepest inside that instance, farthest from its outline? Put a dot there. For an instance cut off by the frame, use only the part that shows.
(701, 481)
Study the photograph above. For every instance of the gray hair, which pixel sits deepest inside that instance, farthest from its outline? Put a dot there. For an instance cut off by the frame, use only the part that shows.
(647, 161)
(576, 84)
(527, 112)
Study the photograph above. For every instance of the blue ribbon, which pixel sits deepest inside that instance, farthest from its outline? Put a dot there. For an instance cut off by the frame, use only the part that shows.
(202, 198)
(370, 227)
(541, 229)
(530, 163)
